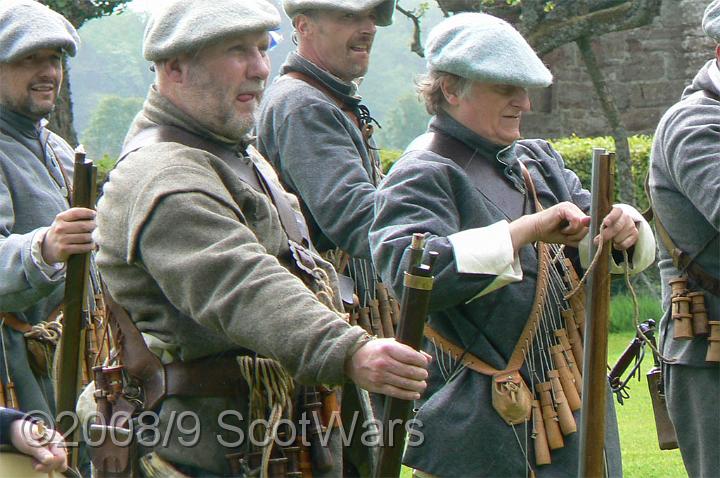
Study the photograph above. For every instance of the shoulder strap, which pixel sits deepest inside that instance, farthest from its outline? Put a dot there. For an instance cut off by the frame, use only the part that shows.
(364, 125)
(251, 175)
(328, 92)
(680, 259)
(171, 134)
(484, 176)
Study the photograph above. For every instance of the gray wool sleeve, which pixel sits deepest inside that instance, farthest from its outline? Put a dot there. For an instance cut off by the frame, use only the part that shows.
(233, 286)
(320, 161)
(420, 197)
(691, 155)
(22, 283)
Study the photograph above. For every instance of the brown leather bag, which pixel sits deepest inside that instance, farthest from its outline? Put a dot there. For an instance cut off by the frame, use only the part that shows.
(511, 397)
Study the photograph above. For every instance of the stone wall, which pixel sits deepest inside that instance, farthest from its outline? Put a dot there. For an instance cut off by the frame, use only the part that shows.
(646, 70)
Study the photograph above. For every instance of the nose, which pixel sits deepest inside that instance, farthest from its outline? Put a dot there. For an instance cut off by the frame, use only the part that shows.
(521, 100)
(369, 24)
(259, 66)
(50, 69)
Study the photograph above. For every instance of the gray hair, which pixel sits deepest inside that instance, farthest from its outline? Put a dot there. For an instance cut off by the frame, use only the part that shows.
(429, 88)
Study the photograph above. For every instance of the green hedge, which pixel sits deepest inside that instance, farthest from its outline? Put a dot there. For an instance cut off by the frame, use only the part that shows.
(577, 153)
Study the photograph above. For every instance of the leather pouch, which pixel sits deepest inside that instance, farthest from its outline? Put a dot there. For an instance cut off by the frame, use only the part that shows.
(511, 397)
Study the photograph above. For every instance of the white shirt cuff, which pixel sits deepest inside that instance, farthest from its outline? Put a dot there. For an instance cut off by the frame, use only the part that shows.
(50, 271)
(644, 253)
(487, 250)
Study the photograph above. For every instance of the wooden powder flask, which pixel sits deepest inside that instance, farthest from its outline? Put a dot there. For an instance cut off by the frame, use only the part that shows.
(565, 416)
(678, 286)
(550, 416)
(305, 460)
(322, 460)
(566, 377)
(701, 328)
(375, 324)
(364, 320)
(11, 395)
(330, 407)
(682, 318)
(385, 309)
(569, 357)
(539, 436)
(2, 396)
(385, 324)
(713, 351)
(574, 337)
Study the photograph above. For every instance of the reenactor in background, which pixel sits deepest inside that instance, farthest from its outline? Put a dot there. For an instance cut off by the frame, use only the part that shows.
(504, 380)
(317, 134)
(38, 229)
(195, 242)
(685, 193)
(313, 126)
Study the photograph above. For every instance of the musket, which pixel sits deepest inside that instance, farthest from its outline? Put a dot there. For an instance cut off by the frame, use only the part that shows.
(415, 301)
(84, 177)
(633, 352)
(592, 424)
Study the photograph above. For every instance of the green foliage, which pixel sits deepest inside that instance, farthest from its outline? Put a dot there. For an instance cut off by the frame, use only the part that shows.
(104, 165)
(79, 12)
(403, 123)
(388, 158)
(109, 63)
(577, 153)
(622, 311)
(109, 124)
(638, 440)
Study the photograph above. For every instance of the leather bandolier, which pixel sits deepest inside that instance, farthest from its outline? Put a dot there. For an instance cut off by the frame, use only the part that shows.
(688, 311)
(139, 381)
(540, 386)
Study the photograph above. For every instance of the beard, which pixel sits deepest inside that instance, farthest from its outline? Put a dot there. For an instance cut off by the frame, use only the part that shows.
(27, 106)
(215, 105)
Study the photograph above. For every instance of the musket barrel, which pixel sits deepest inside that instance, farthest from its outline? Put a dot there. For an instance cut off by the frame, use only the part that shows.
(75, 286)
(592, 428)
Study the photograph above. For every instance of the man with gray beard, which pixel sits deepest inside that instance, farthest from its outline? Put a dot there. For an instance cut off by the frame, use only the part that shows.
(199, 243)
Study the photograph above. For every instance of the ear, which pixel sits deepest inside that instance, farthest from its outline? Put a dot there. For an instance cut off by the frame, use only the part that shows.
(302, 24)
(717, 52)
(174, 69)
(448, 87)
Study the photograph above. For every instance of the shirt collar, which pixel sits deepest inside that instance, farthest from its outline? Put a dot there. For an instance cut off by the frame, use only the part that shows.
(347, 91)
(13, 121)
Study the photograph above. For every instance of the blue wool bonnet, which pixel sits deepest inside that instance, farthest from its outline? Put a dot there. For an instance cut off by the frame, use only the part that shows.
(484, 48)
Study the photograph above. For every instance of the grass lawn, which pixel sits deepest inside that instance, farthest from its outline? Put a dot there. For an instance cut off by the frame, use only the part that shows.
(641, 456)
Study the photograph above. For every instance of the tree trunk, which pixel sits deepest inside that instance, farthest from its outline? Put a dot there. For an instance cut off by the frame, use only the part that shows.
(61, 119)
(626, 191)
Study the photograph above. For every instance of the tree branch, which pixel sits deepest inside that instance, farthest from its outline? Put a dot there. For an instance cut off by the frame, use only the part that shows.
(416, 45)
(630, 14)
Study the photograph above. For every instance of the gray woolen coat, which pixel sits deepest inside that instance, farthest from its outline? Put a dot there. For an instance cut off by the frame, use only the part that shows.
(429, 194)
(32, 192)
